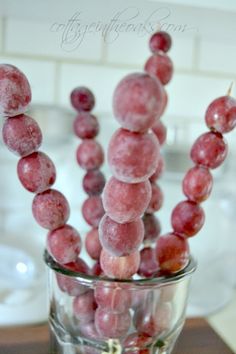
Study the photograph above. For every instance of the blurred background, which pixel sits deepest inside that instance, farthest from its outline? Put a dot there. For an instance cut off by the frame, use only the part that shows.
(61, 45)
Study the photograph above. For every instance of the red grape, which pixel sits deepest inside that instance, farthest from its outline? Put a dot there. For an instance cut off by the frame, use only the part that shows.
(90, 154)
(197, 184)
(93, 211)
(92, 244)
(159, 129)
(84, 307)
(36, 172)
(137, 342)
(110, 324)
(94, 182)
(97, 270)
(152, 227)
(160, 41)
(159, 170)
(133, 157)
(22, 135)
(156, 199)
(137, 101)
(160, 66)
(148, 262)
(15, 92)
(64, 244)
(82, 99)
(86, 125)
(125, 202)
(209, 150)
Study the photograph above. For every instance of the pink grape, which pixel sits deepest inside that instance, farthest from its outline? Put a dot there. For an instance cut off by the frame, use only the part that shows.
(64, 244)
(159, 129)
(90, 154)
(94, 182)
(172, 252)
(197, 184)
(137, 101)
(159, 170)
(156, 199)
(110, 324)
(139, 341)
(209, 150)
(160, 66)
(125, 202)
(36, 172)
(187, 218)
(86, 125)
(160, 41)
(133, 157)
(97, 270)
(148, 262)
(92, 244)
(93, 211)
(15, 92)
(22, 135)
(89, 330)
(84, 307)
(221, 114)
(152, 227)
(119, 267)
(113, 297)
(82, 99)
(50, 209)
(120, 239)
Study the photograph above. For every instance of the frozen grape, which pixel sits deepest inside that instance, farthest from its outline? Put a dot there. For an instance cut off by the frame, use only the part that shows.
(156, 199)
(15, 92)
(137, 343)
(125, 202)
(152, 227)
(113, 296)
(133, 157)
(84, 307)
(64, 244)
(92, 244)
(172, 252)
(160, 66)
(187, 218)
(94, 182)
(86, 125)
(90, 154)
(82, 99)
(97, 270)
(159, 129)
(119, 267)
(159, 170)
(197, 184)
(110, 324)
(36, 172)
(221, 114)
(50, 209)
(120, 239)
(93, 211)
(137, 101)
(148, 262)
(209, 150)
(160, 41)
(22, 135)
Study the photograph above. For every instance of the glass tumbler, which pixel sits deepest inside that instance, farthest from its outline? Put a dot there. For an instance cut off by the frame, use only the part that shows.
(92, 315)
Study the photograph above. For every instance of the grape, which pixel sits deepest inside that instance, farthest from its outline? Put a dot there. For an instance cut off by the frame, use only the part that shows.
(110, 324)
(113, 297)
(197, 184)
(94, 182)
(221, 114)
(64, 244)
(156, 199)
(148, 262)
(36, 172)
(89, 330)
(125, 202)
(172, 252)
(22, 135)
(209, 150)
(152, 227)
(160, 66)
(86, 126)
(133, 157)
(159, 129)
(82, 99)
(92, 244)
(120, 239)
(50, 209)
(93, 211)
(159, 170)
(160, 41)
(119, 267)
(187, 218)
(138, 341)
(97, 270)
(137, 101)
(89, 154)
(84, 307)
(15, 92)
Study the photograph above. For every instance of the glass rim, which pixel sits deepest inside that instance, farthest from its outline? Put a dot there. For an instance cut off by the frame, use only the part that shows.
(86, 278)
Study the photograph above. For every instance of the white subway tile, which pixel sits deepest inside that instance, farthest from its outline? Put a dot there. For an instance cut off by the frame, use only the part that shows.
(100, 79)
(41, 75)
(41, 38)
(182, 52)
(217, 56)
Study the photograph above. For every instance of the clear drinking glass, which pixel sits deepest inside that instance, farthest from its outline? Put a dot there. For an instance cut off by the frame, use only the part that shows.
(153, 309)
